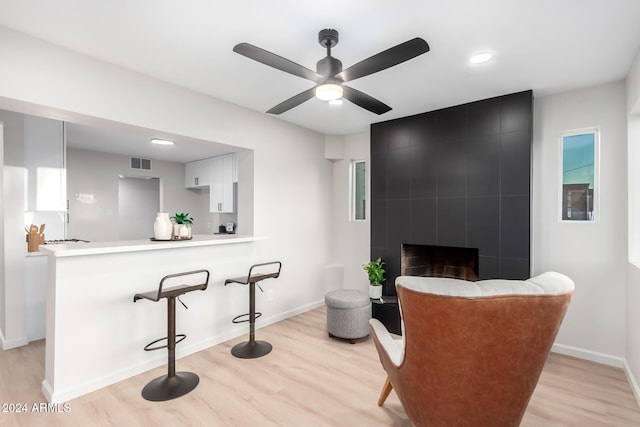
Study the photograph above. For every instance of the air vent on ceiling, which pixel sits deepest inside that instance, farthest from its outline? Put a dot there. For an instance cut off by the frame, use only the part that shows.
(140, 163)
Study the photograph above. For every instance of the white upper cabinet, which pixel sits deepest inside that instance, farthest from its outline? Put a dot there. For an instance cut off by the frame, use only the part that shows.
(44, 164)
(217, 173)
(221, 196)
(198, 173)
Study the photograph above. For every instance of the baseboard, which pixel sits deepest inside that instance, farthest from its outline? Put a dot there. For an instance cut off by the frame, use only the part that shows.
(632, 381)
(47, 390)
(64, 395)
(593, 356)
(14, 343)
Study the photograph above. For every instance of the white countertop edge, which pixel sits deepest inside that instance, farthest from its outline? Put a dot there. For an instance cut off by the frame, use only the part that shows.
(34, 254)
(99, 248)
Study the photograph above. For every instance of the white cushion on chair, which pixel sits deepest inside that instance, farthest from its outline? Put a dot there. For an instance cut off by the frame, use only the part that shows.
(549, 283)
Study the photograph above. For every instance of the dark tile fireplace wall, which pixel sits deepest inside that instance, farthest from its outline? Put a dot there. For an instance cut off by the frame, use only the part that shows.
(457, 177)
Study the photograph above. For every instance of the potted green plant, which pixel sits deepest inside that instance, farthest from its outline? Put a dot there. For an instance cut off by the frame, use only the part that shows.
(182, 228)
(375, 271)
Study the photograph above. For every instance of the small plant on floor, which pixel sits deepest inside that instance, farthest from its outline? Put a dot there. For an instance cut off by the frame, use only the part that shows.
(375, 270)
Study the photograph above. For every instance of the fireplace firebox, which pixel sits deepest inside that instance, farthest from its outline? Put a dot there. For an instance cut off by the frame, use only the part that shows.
(439, 261)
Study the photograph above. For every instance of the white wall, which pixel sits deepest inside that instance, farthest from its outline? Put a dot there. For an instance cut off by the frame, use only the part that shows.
(351, 240)
(92, 182)
(292, 181)
(633, 267)
(592, 254)
(12, 238)
(138, 202)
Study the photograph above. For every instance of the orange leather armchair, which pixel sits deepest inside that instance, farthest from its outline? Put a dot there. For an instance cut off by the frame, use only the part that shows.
(471, 352)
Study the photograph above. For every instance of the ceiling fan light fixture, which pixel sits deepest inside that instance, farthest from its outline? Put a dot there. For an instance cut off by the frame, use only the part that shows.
(335, 101)
(329, 92)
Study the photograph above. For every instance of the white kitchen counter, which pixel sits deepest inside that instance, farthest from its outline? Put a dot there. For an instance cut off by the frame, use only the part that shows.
(95, 333)
(95, 248)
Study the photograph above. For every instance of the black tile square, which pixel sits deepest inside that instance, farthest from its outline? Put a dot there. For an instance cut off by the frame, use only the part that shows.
(398, 223)
(377, 253)
(515, 269)
(392, 270)
(516, 112)
(488, 267)
(378, 175)
(483, 118)
(514, 227)
(483, 166)
(515, 163)
(398, 135)
(423, 222)
(452, 222)
(399, 173)
(424, 181)
(451, 170)
(425, 129)
(378, 140)
(452, 123)
(483, 224)
(379, 224)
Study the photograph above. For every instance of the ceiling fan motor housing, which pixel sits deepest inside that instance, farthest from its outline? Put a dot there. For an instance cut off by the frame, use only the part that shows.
(329, 66)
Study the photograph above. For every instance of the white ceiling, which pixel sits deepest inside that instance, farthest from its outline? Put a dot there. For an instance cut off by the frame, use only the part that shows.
(133, 141)
(545, 45)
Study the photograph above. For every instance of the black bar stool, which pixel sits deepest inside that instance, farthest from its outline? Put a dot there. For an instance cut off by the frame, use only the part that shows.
(173, 384)
(252, 349)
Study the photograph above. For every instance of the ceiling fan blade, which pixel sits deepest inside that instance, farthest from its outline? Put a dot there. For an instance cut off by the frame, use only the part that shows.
(385, 59)
(271, 59)
(293, 101)
(365, 101)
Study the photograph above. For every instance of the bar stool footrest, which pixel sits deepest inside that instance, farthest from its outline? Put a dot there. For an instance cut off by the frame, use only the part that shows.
(238, 320)
(179, 338)
(251, 349)
(166, 388)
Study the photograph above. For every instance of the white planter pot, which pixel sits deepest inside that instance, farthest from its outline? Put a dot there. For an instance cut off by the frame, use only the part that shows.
(375, 292)
(185, 232)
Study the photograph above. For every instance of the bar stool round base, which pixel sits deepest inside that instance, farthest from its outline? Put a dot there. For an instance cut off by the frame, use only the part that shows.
(251, 349)
(167, 388)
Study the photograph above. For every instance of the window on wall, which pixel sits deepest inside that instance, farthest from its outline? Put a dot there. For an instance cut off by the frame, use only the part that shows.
(358, 190)
(579, 172)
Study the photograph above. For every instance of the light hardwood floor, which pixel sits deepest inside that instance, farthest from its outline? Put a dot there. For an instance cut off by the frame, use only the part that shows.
(308, 380)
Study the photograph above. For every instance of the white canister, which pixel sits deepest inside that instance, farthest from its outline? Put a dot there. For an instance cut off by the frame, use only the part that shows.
(163, 226)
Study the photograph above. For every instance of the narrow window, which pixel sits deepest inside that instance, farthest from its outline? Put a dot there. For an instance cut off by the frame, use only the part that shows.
(579, 162)
(358, 190)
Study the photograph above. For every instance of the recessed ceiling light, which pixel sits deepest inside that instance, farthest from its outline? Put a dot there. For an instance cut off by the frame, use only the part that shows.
(162, 141)
(479, 58)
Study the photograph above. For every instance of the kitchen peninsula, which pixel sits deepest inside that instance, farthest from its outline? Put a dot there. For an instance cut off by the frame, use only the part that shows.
(95, 334)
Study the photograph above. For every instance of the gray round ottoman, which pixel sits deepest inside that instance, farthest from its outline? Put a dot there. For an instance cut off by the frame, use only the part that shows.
(348, 314)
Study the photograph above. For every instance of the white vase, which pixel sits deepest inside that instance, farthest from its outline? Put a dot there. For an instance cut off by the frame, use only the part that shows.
(163, 227)
(375, 292)
(184, 231)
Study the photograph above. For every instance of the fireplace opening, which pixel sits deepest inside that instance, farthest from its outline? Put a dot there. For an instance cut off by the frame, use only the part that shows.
(439, 261)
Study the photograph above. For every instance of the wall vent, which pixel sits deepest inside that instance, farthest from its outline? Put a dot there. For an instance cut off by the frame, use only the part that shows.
(140, 163)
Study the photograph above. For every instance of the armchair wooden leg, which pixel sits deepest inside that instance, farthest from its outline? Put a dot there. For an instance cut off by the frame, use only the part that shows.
(386, 389)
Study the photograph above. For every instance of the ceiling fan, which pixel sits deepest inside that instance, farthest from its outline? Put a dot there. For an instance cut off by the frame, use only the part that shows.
(329, 75)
